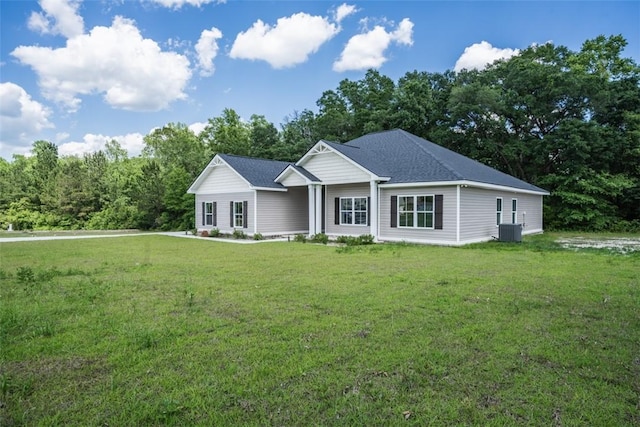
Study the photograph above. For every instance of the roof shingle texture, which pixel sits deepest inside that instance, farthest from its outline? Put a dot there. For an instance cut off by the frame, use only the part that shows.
(259, 172)
(406, 158)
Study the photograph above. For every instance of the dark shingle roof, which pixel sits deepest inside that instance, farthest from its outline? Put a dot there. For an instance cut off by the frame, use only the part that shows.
(259, 172)
(407, 158)
(311, 177)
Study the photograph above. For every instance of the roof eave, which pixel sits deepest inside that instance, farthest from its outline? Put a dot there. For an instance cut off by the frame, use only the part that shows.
(466, 183)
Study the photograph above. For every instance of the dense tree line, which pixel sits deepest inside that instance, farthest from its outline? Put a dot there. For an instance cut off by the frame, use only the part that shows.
(566, 121)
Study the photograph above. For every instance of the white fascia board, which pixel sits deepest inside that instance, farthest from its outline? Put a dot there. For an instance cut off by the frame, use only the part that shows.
(464, 183)
(321, 147)
(283, 190)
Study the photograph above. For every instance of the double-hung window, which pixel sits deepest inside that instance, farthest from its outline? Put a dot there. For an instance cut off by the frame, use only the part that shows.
(415, 211)
(499, 211)
(514, 211)
(238, 214)
(353, 211)
(208, 213)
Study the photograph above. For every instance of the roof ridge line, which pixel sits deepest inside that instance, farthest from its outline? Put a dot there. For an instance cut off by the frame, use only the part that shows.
(423, 149)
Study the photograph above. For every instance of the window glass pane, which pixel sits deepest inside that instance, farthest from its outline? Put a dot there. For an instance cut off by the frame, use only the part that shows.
(422, 203)
(514, 205)
(361, 217)
(406, 219)
(360, 203)
(429, 203)
(346, 217)
(208, 207)
(498, 215)
(429, 220)
(498, 204)
(345, 204)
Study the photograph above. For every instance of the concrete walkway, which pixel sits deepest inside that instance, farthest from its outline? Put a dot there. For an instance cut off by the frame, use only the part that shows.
(183, 234)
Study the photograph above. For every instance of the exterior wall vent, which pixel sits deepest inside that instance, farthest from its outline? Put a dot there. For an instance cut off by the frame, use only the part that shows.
(510, 232)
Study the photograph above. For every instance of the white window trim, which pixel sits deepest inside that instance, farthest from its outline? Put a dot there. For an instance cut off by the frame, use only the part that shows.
(501, 211)
(236, 215)
(353, 211)
(415, 211)
(514, 212)
(206, 214)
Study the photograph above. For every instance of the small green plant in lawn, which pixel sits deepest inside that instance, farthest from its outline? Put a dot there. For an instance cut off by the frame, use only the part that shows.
(364, 239)
(190, 297)
(301, 238)
(319, 238)
(239, 234)
(25, 275)
(215, 232)
(258, 236)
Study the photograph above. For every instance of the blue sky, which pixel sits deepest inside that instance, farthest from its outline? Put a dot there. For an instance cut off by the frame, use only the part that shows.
(79, 73)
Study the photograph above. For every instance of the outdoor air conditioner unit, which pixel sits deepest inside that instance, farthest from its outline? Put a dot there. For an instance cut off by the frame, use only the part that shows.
(510, 232)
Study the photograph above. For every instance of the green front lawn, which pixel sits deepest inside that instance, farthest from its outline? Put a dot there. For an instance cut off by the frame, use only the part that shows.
(155, 330)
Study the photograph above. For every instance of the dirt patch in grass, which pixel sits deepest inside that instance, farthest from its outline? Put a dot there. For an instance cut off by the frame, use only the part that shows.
(622, 245)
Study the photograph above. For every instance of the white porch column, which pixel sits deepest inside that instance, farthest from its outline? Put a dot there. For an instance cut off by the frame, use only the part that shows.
(318, 214)
(312, 211)
(373, 209)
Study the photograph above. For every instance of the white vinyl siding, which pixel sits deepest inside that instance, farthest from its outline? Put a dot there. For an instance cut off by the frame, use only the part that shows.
(293, 179)
(427, 235)
(283, 213)
(223, 214)
(478, 212)
(331, 168)
(222, 179)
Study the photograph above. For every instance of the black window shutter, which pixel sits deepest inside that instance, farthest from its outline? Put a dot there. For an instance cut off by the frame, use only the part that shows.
(438, 213)
(368, 210)
(394, 211)
(231, 213)
(337, 211)
(203, 220)
(245, 212)
(215, 214)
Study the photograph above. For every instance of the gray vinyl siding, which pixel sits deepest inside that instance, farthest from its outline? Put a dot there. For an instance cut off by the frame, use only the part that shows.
(345, 190)
(283, 213)
(332, 168)
(478, 212)
(445, 236)
(223, 213)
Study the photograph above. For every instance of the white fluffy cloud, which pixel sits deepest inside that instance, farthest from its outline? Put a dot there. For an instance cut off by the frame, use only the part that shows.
(367, 50)
(198, 127)
(207, 50)
(288, 43)
(343, 11)
(57, 17)
(479, 55)
(21, 119)
(177, 4)
(131, 72)
(132, 142)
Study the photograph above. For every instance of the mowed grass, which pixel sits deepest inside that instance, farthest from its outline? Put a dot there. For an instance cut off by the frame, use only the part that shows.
(156, 330)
